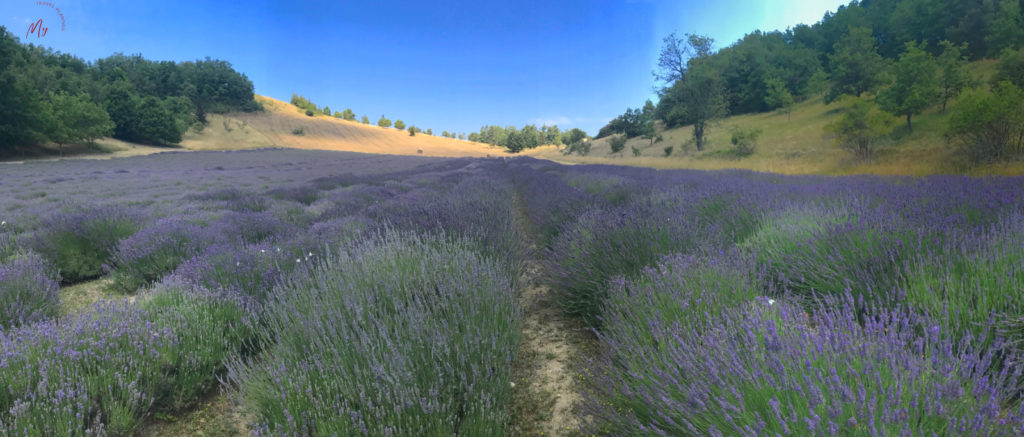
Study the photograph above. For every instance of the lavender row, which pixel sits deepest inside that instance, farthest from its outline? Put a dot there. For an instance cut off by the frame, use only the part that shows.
(397, 335)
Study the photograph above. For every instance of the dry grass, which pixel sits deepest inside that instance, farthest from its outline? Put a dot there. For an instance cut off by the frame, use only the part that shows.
(274, 127)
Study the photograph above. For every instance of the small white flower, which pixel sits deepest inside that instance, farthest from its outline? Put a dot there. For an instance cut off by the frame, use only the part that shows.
(263, 251)
(310, 255)
(298, 260)
(237, 263)
(771, 301)
(3, 223)
(512, 384)
(278, 249)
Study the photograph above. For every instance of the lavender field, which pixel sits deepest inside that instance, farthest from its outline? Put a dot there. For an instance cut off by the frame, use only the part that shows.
(343, 294)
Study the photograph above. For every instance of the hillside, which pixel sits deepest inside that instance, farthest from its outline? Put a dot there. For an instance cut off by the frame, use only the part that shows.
(274, 127)
(797, 144)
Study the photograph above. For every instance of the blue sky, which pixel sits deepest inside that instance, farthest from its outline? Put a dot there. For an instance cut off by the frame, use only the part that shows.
(446, 64)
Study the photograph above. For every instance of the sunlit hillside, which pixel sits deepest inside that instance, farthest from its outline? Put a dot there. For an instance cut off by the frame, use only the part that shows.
(797, 143)
(281, 124)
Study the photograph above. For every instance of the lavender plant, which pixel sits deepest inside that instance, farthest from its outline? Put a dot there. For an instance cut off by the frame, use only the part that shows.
(399, 335)
(766, 367)
(28, 291)
(80, 242)
(151, 253)
(103, 370)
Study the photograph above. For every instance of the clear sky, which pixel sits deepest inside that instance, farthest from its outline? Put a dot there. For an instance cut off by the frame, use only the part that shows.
(444, 64)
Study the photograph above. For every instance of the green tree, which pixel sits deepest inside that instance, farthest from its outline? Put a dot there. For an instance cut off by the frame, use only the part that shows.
(515, 142)
(74, 117)
(412, 131)
(1007, 28)
(617, 143)
(777, 96)
(675, 55)
(860, 127)
(916, 86)
(384, 122)
(573, 135)
(399, 124)
(636, 152)
(953, 76)
(122, 104)
(326, 111)
(700, 101)
(365, 120)
(989, 125)
(1010, 68)
(816, 84)
(856, 65)
(347, 114)
(430, 131)
(531, 136)
(22, 114)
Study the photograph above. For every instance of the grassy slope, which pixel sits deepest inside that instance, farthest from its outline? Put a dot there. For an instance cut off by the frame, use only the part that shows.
(273, 128)
(797, 144)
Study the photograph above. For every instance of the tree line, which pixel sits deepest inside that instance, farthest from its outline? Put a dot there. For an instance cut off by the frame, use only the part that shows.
(900, 57)
(528, 137)
(49, 96)
(512, 138)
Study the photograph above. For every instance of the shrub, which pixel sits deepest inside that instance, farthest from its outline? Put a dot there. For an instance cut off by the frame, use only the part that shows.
(28, 291)
(399, 124)
(617, 143)
(300, 131)
(860, 127)
(80, 242)
(384, 122)
(106, 369)
(309, 112)
(151, 253)
(744, 141)
(989, 125)
(668, 151)
(401, 334)
(636, 152)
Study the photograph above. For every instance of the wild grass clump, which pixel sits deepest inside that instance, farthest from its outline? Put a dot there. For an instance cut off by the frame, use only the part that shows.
(80, 242)
(149, 254)
(399, 335)
(104, 370)
(28, 291)
(766, 367)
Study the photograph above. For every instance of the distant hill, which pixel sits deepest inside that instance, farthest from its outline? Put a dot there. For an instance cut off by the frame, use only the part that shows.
(798, 144)
(276, 125)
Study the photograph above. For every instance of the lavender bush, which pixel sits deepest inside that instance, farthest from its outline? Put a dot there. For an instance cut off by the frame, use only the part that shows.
(765, 367)
(28, 291)
(399, 335)
(104, 370)
(155, 251)
(80, 242)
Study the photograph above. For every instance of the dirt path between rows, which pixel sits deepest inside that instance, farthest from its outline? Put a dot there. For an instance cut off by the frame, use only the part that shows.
(546, 396)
